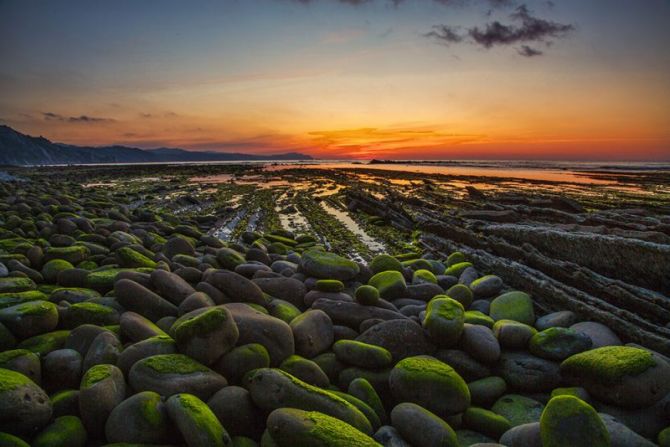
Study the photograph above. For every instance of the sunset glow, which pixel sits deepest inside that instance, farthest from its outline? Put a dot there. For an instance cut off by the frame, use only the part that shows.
(335, 79)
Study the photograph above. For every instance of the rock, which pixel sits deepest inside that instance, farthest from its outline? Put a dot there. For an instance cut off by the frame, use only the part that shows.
(287, 289)
(486, 286)
(235, 409)
(29, 319)
(462, 294)
(525, 435)
(63, 431)
(130, 258)
(516, 306)
(105, 348)
(485, 391)
(403, 338)
(171, 286)
(622, 436)
(569, 422)
(444, 321)
(305, 370)
(229, 258)
(326, 265)
(137, 298)
(197, 424)
(512, 334)
(620, 375)
(255, 327)
(24, 406)
(563, 318)
(102, 389)
(137, 328)
(518, 410)
(177, 246)
(205, 334)
(272, 388)
(367, 295)
(89, 313)
(353, 314)
(557, 343)
(486, 422)
(361, 354)
(62, 368)
(421, 427)
(312, 332)
(140, 419)
(159, 344)
(240, 360)
(363, 390)
(24, 362)
(388, 436)
(168, 374)
(477, 317)
(480, 343)
(383, 263)
(290, 427)
(390, 284)
(235, 287)
(599, 334)
(428, 382)
(196, 300)
(464, 364)
(528, 373)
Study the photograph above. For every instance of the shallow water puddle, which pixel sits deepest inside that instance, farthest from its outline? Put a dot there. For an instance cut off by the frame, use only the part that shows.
(373, 244)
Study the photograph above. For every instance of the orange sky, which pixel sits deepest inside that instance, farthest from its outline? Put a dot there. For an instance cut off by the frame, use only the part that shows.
(339, 81)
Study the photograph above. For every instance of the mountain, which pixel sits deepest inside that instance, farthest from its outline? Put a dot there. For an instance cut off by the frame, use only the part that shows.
(19, 149)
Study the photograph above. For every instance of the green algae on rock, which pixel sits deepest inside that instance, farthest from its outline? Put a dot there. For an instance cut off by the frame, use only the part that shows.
(570, 422)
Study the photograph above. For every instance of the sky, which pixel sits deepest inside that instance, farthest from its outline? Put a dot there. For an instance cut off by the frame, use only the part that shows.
(393, 79)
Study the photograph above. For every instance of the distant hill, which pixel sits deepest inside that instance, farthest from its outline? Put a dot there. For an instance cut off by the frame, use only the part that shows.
(19, 149)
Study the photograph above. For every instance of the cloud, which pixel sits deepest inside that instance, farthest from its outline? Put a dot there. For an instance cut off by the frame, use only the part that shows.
(50, 116)
(527, 51)
(525, 28)
(445, 34)
(530, 29)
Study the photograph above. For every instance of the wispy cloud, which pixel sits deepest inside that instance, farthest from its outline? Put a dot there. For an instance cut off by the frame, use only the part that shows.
(86, 119)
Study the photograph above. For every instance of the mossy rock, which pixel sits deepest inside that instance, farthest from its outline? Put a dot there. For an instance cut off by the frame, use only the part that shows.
(430, 383)
(487, 390)
(51, 269)
(23, 361)
(242, 359)
(24, 406)
(196, 422)
(63, 431)
(477, 317)
(517, 409)
(205, 334)
(65, 402)
(7, 440)
(513, 334)
(89, 313)
(45, 343)
(423, 276)
(305, 370)
(421, 427)
(133, 259)
(516, 306)
(102, 280)
(367, 295)
(664, 438)
(557, 343)
(363, 390)
(570, 422)
(325, 265)
(273, 388)
(168, 374)
(456, 257)
(283, 310)
(620, 375)
(30, 319)
(390, 284)
(142, 418)
(329, 285)
(12, 284)
(229, 258)
(73, 254)
(444, 320)
(361, 354)
(486, 421)
(457, 269)
(291, 427)
(384, 263)
(13, 298)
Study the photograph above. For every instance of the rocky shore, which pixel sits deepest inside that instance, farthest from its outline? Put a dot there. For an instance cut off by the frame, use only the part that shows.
(126, 318)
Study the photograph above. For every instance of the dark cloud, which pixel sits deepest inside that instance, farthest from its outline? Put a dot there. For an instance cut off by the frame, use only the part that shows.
(527, 51)
(526, 29)
(445, 34)
(50, 116)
